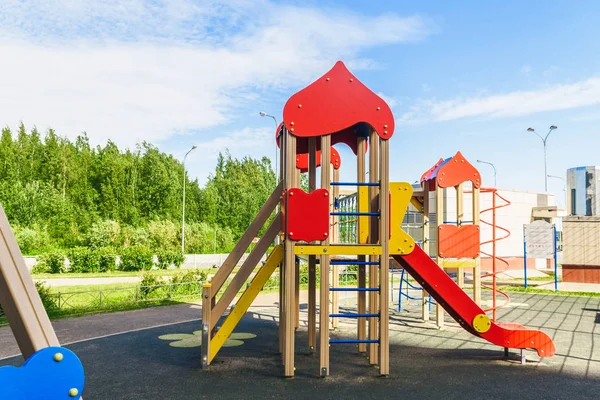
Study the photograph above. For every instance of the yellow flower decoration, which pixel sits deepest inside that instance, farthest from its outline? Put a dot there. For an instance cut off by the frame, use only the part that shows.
(195, 339)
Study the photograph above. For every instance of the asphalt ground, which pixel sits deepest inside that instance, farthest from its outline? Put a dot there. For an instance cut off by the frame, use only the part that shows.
(425, 363)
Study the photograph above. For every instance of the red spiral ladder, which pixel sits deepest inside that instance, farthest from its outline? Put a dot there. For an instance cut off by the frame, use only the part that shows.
(493, 255)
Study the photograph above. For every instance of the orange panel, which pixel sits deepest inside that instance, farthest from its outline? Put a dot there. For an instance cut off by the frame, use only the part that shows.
(458, 242)
(456, 171)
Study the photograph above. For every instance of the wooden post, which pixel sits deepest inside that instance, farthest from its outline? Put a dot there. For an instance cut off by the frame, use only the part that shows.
(439, 220)
(373, 239)
(335, 277)
(207, 325)
(282, 163)
(384, 267)
(477, 269)
(290, 270)
(324, 298)
(460, 216)
(426, 245)
(19, 298)
(312, 260)
(362, 278)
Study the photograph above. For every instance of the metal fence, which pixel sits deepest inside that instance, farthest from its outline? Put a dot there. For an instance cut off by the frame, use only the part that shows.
(82, 300)
(106, 298)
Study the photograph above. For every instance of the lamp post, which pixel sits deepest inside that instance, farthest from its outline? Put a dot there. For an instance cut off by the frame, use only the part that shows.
(564, 185)
(493, 166)
(183, 204)
(264, 114)
(544, 140)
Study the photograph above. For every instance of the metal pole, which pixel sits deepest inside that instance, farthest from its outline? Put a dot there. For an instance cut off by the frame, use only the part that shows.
(525, 255)
(493, 166)
(555, 259)
(545, 167)
(544, 140)
(183, 204)
(493, 256)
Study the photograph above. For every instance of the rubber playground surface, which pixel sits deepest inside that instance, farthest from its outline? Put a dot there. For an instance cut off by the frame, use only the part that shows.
(153, 354)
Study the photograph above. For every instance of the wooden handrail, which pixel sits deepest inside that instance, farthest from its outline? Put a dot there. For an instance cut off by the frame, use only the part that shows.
(240, 248)
(19, 298)
(246, 269)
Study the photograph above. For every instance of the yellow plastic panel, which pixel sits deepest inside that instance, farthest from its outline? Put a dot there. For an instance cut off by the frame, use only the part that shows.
(400, 241)
(338, 250)
(363, 221)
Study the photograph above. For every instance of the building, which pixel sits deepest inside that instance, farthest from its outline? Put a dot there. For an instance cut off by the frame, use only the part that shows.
(583, 190)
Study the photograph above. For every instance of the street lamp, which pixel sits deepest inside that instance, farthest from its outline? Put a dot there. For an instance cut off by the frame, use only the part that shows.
(493, 166)
(183, 204)
(564, 185)
(544, 139)
(264, 114)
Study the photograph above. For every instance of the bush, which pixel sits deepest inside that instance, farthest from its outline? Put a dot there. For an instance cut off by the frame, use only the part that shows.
(149, 285)
(40, 267)
(224, 239)
(103, 234)
(83, 259)
(189, 282)
(107, 259)
(53, 263)
(163, 234)
(136, 258)
(141, 238)
(199, 238)
(48, 300)
(32, 241)
(168, 258)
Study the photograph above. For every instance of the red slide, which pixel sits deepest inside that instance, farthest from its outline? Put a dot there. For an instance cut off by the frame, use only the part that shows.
(468, 314)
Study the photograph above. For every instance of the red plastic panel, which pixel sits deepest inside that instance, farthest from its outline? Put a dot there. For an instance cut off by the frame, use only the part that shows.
(334, 102)
(458, 241)
(302, 160)
(307, 215)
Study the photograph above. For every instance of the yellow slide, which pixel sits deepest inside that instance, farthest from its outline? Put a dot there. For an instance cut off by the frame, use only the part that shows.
(245, 301)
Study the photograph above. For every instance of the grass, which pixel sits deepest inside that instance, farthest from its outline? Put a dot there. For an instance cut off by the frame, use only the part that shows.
(521, 289)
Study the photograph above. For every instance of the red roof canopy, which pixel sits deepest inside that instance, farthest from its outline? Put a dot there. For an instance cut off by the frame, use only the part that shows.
(335, 103)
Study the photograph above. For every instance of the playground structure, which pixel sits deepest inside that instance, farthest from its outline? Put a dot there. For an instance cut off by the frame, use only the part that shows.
(49, 371)
(337, 108)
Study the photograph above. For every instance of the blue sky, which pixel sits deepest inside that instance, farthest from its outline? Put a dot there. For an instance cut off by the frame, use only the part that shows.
(469, 75)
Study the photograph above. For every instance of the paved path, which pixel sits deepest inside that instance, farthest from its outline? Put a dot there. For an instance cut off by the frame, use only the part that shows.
(129, 361)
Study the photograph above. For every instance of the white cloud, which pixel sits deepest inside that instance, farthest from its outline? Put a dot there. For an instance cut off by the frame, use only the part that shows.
(135, 70)
(240, 143)
(525, 70)
(517, 103)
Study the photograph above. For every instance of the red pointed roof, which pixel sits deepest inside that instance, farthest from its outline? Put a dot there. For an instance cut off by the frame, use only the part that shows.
(335, 102)
(452, 172)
